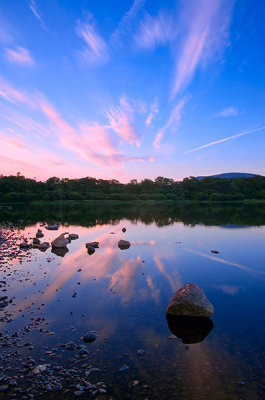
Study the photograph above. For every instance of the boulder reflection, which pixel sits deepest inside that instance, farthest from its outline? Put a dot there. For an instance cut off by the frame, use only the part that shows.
(190, 329)
(60, 251)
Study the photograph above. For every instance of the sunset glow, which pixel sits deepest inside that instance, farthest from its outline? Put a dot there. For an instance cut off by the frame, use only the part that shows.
(131, 89)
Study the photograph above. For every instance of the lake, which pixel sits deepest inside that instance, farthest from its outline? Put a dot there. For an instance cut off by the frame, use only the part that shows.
(122, 295)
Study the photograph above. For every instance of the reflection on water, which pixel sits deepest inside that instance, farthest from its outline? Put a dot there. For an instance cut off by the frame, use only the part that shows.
(122, 295)
(189, 329)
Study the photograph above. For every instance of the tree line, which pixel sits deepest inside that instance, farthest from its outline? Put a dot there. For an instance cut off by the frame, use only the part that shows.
(20, 189)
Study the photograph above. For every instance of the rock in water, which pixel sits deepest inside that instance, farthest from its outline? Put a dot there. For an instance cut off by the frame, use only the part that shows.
(73, 236)
(92, 244)
(36, 241)
(123, 230)
(39, 234)
(60, 241)
(52, 227)
(124, 244)
(190, 301)
(44, 246)
(90, 337)
(90, 250)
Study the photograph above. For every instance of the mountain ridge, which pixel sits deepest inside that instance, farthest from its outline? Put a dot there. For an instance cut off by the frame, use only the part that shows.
(228, 175)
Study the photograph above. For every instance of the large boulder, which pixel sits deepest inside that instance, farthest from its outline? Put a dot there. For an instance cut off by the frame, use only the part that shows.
(190, 301)
(60, 241)
(124, 244)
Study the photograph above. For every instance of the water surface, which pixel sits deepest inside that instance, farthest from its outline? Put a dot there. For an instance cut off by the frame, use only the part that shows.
(122, 295)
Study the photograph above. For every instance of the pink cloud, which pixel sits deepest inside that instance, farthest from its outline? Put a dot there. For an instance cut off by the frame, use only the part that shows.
(14, 95)
(172, 122)
(92, 142)
(95, 50)
(121, 120)
(20, 55)
(14, 143)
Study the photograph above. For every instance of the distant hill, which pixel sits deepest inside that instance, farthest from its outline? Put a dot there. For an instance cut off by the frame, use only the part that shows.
(230, 175)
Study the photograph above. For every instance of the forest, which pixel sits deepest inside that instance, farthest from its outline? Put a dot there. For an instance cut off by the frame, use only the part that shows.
(18, 188)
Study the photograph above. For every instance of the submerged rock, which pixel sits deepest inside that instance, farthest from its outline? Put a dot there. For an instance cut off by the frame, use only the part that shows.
(189, 329)
(60, 241)
(124, 244)
(190, 301)
(39, 369)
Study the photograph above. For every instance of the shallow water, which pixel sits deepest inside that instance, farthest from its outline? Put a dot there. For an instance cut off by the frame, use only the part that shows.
(122, 295)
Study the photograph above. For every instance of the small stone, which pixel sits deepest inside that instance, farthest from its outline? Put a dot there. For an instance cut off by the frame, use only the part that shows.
(90, 337)
(124, 368)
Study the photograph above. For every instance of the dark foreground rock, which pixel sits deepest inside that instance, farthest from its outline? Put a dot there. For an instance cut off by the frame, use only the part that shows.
(189, 329)
(190, 301)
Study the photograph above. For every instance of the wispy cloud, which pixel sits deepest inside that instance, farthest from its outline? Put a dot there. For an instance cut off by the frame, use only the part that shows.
(153, 111)
(12, 95)
(33, 7)
(121, 120)
(172, 123)
(127, 20)
(95, 49)
(154, 31)
(206, 24)
(20, 55)
(226, 139)
(228, 112)
(227, 262)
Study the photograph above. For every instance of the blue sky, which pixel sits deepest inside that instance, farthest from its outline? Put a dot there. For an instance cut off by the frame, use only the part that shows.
(131, 89)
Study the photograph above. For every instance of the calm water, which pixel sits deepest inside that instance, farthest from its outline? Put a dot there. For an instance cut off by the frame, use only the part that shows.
(122, 295)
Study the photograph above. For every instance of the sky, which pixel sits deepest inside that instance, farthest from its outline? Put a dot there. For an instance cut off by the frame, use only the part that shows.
(131, 89)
